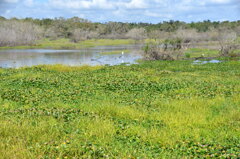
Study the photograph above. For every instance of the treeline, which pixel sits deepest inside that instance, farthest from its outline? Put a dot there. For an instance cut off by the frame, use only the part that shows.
(26, 31)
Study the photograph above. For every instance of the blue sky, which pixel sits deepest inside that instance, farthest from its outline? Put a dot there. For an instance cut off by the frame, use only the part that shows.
(153, 11)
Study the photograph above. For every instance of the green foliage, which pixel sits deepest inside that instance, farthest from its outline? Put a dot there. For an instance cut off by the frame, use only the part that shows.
(146, 48)
(173, 44)
(187, 55)
(201, 52)
(152, 110)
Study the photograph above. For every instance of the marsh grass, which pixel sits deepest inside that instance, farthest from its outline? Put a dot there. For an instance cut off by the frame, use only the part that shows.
(152, 110)
(67, 44)
(201, 52)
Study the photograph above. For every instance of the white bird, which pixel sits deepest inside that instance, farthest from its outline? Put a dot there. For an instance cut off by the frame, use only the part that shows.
(122, 54)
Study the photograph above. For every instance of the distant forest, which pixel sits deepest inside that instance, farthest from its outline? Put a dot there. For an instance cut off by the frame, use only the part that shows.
(26, 31)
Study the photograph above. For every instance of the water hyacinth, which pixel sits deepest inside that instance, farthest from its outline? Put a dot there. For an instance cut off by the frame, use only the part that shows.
(152, 110)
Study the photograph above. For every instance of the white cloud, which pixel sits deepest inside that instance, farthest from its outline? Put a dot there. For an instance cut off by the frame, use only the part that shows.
(82, 4)
(137, 4)
(220, 1)
(217, 2)
(28, 3)
(123, 10)
(11, 1)
(100, 4)
(158, 15)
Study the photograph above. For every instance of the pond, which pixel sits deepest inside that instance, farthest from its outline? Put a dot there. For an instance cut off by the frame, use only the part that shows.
(90, 56)
(205, 62)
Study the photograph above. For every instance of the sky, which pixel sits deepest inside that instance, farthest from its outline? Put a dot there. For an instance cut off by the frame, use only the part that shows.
(151, 11)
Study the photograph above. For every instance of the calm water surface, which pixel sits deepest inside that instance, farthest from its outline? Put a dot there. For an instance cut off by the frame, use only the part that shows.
(205, 62)
(91, 56)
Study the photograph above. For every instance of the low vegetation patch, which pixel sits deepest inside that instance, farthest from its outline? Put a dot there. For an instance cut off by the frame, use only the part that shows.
(157, 109)
(201, 52)
(67, 44)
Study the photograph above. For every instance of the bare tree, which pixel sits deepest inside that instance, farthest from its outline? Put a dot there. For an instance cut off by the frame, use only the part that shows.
(226, 41)
(136, 34)
(14, 33)
(51, 33)
(155, 34)
(80, 35)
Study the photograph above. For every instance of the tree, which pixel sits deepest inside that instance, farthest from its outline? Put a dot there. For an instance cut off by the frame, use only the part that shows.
(80, 35)
(226, 40)
(14, 33)
(136, 34)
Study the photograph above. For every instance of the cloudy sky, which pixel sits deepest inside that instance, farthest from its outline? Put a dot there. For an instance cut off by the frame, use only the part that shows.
(153, 11)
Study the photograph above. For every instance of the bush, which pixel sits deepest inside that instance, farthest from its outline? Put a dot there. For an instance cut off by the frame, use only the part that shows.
(227, 42)
(167, 50)
(228, 49)
(187, 55)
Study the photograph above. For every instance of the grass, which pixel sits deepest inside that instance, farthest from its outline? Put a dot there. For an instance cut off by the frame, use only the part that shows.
(67, 44)
(115, 52)
(153, 41)
(152, 110)
(201, 52)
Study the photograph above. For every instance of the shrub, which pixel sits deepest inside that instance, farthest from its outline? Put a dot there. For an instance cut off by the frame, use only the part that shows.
(187, 55)
(227, 43)
(228, 49)
(167, 50)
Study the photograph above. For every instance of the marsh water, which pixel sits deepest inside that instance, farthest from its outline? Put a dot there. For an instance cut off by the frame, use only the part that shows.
(205, 62)
(90, 56)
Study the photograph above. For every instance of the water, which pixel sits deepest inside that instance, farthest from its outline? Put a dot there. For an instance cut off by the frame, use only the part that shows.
(205, 62)
(91, 56)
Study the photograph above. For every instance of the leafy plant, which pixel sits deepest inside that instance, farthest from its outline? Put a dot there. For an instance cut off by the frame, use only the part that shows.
(157, 109)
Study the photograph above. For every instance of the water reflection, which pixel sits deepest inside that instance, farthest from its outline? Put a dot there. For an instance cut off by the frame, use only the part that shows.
(92, 56)
(205, 62)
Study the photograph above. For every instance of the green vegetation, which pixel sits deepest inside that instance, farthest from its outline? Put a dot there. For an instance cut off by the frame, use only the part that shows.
(152, 110)
(26, 33)
(115, 52)
(67, 44)
(154, 41)
(201, 52)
